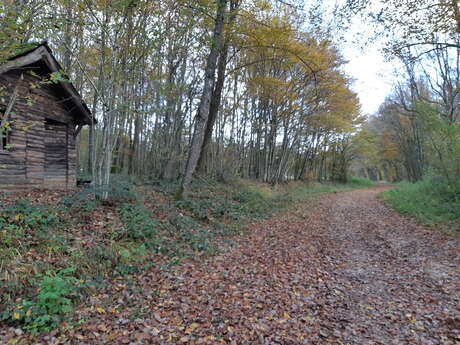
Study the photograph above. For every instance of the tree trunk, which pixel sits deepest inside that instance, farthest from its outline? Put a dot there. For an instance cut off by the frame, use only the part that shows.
(217, 93)
(205, 102)
(214, 108)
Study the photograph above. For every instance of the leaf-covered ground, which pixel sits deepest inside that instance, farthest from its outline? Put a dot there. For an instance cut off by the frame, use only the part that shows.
(346, 270)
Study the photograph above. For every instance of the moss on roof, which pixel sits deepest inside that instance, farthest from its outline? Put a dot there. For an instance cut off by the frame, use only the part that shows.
(17, 48)
(24, 47)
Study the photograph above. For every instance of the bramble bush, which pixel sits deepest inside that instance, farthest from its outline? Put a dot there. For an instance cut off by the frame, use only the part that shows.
(53, 302)
(139, 224)
(27, 216)
(22, 220)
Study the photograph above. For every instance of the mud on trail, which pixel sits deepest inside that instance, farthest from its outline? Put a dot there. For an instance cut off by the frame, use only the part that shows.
(344, 270)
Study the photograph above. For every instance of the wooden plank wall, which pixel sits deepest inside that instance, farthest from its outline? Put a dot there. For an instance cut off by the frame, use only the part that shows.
(56, 157)
(24, 165)
(72, 155)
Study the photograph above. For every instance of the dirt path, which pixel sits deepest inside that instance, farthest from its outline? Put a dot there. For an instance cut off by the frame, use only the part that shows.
(398, 283)
(346, 271)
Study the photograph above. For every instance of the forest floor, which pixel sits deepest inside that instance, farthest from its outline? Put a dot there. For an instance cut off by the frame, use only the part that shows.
(345, 269)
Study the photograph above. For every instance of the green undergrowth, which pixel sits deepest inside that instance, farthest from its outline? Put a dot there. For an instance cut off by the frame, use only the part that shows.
(357, 182)
(53, 301)
(303, 191)
(431, 202)
(53, 255)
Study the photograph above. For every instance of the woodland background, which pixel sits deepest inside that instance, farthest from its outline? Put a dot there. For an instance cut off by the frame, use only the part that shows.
(250, 93)
(249, 89)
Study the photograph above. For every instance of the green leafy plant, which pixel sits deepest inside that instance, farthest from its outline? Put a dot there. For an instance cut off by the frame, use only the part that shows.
(28, 216)
(96, 260)
(52, 303)
(255, 202)
(83, 201)
(354, 181)
(430, 201)
(138, 224)
(116, 193)
(23, 220)
(188, 231)
(200, 208)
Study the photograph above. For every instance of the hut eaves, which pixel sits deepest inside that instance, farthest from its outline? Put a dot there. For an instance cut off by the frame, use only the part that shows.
(43, 53)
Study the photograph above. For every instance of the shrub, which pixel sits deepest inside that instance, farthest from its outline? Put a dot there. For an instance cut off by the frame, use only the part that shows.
(96, 260)
(118, 192)
(188, 231)
(51, 305)
(23, 220)
(204, 206)
(82, 202)
(27, 216)
(139, 224)
(181, 224)
(132, 252)
(199, 208)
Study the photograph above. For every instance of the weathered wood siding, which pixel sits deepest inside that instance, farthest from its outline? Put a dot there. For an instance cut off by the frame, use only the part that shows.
(43, 147)
(56, 157)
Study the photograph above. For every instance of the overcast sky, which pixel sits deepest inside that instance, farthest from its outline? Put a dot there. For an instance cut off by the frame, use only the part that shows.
(373, 76)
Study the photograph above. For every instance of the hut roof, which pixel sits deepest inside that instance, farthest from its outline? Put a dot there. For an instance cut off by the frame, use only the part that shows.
(43, 56)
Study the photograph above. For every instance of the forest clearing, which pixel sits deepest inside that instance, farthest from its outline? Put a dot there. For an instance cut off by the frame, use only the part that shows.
(229, 172)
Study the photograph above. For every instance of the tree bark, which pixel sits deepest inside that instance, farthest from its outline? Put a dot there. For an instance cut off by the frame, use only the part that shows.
(205, 102)
(217, 93)
(214, 108)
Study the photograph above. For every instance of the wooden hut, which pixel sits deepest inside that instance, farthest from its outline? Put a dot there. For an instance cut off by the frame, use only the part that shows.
(41, 114)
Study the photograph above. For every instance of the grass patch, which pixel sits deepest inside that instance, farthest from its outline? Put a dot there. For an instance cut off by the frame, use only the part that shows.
(298, 191)
(357, 182)
(430, 202)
